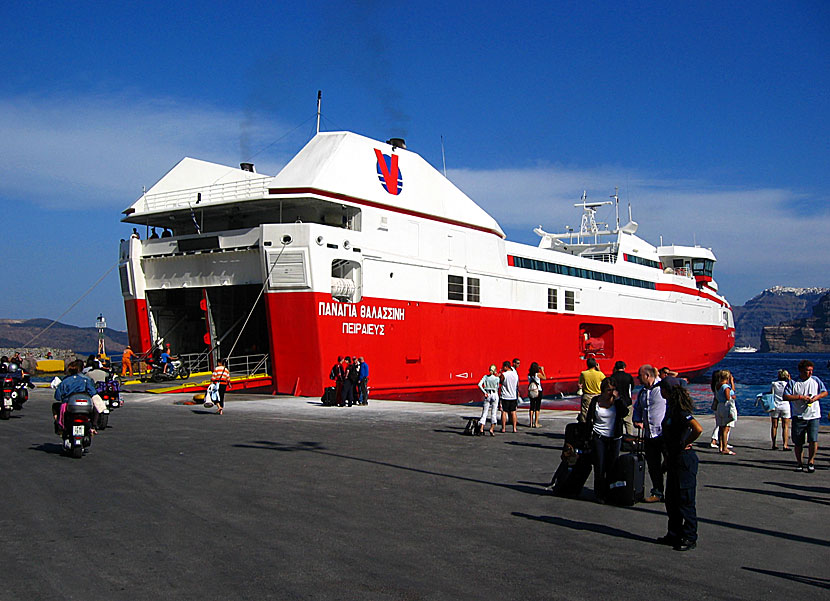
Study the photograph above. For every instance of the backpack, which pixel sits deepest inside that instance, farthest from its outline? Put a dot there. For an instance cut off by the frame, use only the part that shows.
(333, 372)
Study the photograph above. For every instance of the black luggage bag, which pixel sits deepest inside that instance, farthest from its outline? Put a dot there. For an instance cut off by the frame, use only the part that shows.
(571, 475)
(569, 479)
(577, 436)
(626, 483)
(329, 397)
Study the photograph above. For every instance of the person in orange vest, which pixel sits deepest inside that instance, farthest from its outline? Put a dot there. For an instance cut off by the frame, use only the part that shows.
(127, 361)
(221, 377)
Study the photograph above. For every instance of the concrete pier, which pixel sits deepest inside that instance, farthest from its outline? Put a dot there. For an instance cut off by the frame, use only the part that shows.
(281, 498)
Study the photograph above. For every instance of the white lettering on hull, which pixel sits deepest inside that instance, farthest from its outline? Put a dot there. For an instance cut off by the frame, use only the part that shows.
(366, 311)
(370, 329)
(348, 310)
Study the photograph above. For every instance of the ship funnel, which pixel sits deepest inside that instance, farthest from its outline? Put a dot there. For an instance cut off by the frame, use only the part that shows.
(397, 143)
(247, 167)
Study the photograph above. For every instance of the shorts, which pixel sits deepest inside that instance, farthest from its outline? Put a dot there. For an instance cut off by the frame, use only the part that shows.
(509, 405)
(804, 428)
(781, 410)
(536, 404)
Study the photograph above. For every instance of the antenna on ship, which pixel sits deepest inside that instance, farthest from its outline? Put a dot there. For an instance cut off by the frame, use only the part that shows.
(616, 197)
(319, 101)
(443, 158)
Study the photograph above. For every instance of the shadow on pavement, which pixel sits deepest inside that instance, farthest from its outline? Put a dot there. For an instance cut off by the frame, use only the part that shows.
(48, 447)
(585, 526)
(815, 489)
(812, 581)
(314, 447)
(773, 493)
(774, 533)
(774, 464)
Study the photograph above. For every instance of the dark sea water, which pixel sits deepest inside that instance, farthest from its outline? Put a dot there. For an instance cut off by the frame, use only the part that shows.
(753, 374)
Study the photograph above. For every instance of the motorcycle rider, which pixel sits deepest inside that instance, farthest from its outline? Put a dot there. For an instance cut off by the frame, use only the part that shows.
(165, 361)
(76, 383)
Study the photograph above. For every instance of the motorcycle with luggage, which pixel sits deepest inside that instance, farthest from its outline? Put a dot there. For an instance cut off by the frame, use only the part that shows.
(15, 391)
(74, 424)
(110, 392)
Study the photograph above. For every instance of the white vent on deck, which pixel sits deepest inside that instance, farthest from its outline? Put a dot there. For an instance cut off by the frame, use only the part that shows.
(288, 270)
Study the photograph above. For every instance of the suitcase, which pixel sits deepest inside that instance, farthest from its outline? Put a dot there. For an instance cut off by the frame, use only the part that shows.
(626, 483)
(329, 398)
(569, 480)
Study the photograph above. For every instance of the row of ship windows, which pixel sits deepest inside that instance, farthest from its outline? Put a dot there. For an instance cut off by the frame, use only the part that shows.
(456, 292)
(577, 272)
(642, 261)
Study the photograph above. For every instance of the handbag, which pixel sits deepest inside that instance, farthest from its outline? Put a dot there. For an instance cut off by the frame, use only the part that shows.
(767, 401)
(211, 395)
(533, 390)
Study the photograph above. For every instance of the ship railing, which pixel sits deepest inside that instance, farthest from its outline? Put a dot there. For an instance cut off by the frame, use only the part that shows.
(230, 191)
(681, 271)
(604, 257)
(238, 365)
(250, 365)
(196, 362)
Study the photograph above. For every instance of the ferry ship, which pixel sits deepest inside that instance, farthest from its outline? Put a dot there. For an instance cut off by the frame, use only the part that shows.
(359, 247)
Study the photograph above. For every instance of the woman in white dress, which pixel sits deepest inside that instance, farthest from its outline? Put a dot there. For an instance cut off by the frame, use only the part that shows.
(782, 410)
(727, 413)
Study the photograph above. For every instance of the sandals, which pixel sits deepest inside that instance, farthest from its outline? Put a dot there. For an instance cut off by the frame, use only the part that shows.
(728, 452)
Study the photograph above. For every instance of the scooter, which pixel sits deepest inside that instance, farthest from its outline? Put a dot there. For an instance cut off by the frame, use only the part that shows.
(179, 370)
(76, 429)
(15, 391)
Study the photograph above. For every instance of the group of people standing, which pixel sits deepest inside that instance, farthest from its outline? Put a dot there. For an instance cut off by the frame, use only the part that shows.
(663, 414)
(795, 404)
(351, 381)
(501, 393)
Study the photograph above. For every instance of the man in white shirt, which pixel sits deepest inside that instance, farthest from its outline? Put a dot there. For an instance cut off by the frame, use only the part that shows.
(508, 395)
(649, 410)
(803, 395)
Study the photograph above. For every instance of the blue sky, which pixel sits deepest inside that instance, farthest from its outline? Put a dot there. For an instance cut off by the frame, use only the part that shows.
(711, 117)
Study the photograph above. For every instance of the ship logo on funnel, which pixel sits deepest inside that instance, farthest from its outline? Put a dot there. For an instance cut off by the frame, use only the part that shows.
(389, 174)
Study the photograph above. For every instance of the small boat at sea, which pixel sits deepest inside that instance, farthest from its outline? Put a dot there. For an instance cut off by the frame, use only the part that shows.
(744, 349)
(360, 247)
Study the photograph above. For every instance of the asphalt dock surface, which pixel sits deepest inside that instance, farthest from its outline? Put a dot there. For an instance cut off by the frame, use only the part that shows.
(282, 498)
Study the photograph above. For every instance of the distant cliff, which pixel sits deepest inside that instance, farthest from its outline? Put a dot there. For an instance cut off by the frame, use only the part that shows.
(810, 335)
(14, 333)
(771, 307)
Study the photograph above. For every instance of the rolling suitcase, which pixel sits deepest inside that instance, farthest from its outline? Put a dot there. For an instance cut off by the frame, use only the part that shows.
(626, 484)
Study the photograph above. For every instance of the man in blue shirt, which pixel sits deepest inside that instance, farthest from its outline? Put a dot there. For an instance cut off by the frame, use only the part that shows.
(74, 383)
(363, 381)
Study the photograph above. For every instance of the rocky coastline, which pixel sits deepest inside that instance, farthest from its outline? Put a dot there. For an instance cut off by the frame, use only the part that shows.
(806, 335)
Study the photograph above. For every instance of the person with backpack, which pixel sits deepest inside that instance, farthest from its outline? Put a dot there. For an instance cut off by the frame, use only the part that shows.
(534, 392)
(337, 374)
